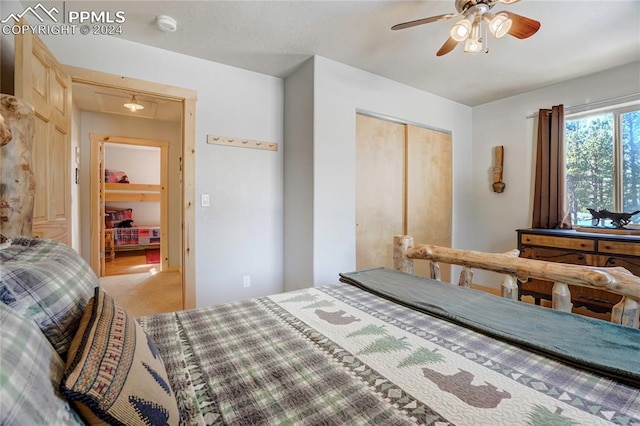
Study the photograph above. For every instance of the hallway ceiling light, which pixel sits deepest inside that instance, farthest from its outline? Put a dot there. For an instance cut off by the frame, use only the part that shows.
(133, 104)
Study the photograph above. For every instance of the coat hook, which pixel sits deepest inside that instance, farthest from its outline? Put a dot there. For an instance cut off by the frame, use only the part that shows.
(245, 141)
(258, 143)
(215, 138)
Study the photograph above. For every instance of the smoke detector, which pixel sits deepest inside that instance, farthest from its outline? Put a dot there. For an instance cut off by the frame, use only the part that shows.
(166, 23)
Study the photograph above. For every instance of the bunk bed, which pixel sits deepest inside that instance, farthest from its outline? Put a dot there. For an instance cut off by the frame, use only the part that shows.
(121, 233)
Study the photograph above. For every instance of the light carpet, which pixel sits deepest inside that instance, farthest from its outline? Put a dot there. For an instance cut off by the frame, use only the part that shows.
(146, 293)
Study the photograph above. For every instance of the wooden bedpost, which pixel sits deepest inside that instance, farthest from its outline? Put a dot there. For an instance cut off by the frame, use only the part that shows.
(466, 277)
(509, 285)
(626, 312)
(434, 267)
(17, 191)
(561, 297)
(402, 244)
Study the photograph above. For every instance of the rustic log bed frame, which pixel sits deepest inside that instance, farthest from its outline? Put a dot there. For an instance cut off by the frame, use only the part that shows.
(613, 279)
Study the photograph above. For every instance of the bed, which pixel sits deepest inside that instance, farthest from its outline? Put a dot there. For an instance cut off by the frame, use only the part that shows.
(379, 347)
(121, 230)
(136, 237)
(130, 237)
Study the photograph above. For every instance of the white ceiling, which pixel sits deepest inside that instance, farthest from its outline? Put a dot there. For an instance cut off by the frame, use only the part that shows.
(273, 37)
(111, 101)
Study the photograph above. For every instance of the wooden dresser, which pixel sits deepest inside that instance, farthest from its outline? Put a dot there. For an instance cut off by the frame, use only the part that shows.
(581, 248)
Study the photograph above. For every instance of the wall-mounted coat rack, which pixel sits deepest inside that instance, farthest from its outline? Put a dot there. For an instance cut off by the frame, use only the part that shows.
(241, 143)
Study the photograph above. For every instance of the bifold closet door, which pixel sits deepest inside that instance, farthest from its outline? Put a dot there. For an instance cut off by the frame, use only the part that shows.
(429, 188)
(379, 190)
(403, 186)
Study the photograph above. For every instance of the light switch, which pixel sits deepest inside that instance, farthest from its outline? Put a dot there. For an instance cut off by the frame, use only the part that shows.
(205, 200)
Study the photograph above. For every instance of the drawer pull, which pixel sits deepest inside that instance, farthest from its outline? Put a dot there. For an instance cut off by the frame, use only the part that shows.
(607, 247)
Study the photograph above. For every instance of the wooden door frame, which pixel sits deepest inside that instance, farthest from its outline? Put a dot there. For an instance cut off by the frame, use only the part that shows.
(98, 196)
(187, 98)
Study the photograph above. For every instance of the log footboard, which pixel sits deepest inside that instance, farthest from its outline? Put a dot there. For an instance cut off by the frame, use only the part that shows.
(613, 279)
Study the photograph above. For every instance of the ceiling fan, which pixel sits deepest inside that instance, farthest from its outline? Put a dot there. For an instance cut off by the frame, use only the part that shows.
(476, 19)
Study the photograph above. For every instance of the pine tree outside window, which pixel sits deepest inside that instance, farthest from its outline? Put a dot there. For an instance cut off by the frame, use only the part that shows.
(603, 163)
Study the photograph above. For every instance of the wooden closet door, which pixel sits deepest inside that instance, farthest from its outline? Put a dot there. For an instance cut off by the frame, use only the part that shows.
(379, 190)
(429, 188)
(41, 81)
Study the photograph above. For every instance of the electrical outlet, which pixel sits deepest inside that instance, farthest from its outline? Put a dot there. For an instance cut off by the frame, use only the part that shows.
(205, 200)
(246, 281)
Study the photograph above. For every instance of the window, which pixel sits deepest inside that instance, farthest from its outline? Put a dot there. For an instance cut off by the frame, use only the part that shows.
(603, 163)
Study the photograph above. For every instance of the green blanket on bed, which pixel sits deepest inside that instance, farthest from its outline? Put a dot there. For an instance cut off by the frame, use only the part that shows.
(593, 344)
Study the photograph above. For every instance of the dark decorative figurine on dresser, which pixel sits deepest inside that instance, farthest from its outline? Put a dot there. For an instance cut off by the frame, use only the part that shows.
(619, 220)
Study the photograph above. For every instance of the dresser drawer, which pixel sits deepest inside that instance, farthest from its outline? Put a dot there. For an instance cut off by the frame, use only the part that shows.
(558, 242)
(619, 247)
(557, 255)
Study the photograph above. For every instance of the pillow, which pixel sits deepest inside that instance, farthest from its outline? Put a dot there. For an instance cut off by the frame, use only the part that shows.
(114, 176)
(30, 372)
(114, 372)
(48, 282)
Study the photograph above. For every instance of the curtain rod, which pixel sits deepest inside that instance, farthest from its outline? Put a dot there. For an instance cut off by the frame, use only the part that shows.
(593, 105)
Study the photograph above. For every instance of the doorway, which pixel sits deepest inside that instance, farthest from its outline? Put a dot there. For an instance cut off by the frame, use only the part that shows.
(184, 160)
(129, 186)
(30, 55)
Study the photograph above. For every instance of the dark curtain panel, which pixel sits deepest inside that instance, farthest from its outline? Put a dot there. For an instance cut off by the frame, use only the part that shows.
(550, 206)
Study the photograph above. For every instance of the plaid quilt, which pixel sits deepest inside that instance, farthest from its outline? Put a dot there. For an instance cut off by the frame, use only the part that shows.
(338, 355)
(49, 283)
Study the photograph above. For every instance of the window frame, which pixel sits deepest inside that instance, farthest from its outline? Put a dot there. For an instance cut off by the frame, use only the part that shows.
(618, 154)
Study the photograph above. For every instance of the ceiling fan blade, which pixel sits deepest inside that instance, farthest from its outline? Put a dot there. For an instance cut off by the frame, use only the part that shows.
(447, 47)
(424, 21)
(522, 26)
(507, 2)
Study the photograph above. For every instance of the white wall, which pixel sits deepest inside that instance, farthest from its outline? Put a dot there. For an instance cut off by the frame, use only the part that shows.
(241, 233)
(339, 92)
(141, 164)
(505, 122)
(298, 173)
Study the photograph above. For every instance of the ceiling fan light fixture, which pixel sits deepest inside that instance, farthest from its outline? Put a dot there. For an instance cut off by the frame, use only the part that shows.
(473, 45)
(460, 30)
(475, 42)
(499, 25)
(133, 104)
(474, 24)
